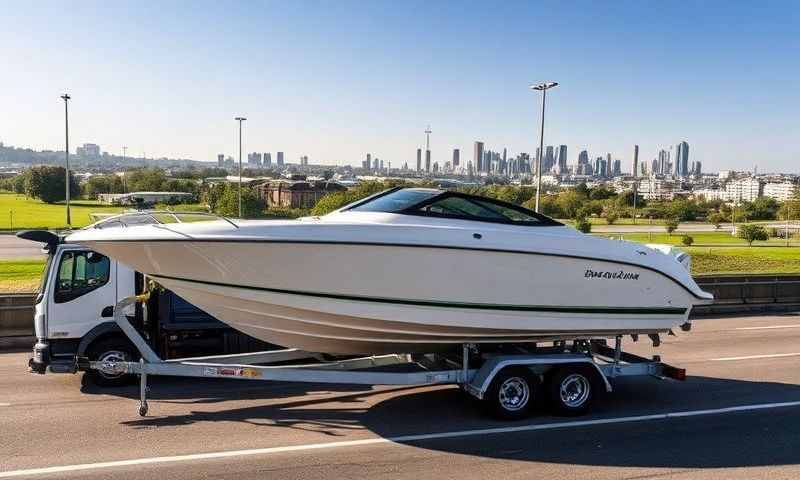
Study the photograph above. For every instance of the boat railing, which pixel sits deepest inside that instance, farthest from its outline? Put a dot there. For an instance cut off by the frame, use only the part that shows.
(158, 217)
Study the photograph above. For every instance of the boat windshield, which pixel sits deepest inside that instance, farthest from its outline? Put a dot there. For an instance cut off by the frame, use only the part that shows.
(395, 201)
(455, 205)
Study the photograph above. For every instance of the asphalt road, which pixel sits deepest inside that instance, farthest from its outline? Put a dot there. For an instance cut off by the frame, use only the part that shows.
(320, 431)
(12, 247)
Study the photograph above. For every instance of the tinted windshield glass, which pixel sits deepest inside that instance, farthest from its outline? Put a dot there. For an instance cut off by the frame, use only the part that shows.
(396, 201)
(476, 209)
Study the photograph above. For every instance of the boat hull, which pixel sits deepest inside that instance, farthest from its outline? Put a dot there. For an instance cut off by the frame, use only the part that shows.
(359, 298)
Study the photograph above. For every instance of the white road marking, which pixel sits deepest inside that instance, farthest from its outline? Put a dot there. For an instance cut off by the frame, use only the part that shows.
(5, 404)
(754, 357)
(767, 328)
(400, 439)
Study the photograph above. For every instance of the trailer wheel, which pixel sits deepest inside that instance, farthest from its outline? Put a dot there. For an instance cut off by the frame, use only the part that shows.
(117, 349)
(571, 389)
(511, 393)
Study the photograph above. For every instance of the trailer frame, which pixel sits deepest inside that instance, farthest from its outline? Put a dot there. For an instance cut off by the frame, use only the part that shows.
(428, 369)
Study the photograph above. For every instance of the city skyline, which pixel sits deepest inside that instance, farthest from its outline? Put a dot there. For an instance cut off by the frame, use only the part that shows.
(318, 88)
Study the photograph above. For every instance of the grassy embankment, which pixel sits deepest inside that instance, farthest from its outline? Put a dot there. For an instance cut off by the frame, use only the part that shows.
(28, 213)
(20, 275)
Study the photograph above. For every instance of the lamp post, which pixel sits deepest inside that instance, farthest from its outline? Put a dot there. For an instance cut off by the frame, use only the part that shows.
(66, 98)
(240, 120)
(543, 87)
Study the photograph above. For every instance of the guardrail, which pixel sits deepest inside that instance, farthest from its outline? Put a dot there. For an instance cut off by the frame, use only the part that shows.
(732, 294)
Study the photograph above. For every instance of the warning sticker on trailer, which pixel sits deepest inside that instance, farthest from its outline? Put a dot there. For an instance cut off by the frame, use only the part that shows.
(231, 372)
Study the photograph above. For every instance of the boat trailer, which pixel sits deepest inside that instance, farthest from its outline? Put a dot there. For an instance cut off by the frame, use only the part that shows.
(569, 374)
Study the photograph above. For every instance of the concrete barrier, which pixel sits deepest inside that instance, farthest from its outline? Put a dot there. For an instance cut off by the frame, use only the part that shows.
(16, 315)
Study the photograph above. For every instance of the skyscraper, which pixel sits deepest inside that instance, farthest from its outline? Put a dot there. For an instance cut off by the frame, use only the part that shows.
(478, 156)
(583, 158)
(682, 159)
(562, 159)
(220, 159)
(268, 159)
(419, 159)
(549, 159)
(427, 160)
(280, 159)
(635, 165)
(456, 157)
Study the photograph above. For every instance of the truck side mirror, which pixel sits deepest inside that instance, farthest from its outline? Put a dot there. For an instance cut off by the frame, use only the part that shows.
(107, 312)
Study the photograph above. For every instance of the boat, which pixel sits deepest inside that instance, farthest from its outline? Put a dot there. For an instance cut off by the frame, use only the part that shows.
(407, 270)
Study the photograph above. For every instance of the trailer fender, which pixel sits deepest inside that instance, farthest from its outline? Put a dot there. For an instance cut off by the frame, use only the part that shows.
(98, 331)
(483, 377)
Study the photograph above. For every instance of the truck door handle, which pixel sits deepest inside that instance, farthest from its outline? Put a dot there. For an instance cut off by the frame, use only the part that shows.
(107, 312)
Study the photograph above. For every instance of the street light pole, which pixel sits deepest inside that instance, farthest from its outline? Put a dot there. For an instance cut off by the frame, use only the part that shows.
(543, 87)
(240, 120)
(66, 98)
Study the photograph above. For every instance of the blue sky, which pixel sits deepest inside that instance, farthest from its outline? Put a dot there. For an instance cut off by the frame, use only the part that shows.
(337, 79)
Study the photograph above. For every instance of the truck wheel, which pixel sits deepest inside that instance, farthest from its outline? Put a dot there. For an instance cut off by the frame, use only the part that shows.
(117, 349)
(511, 393)
(571, 389)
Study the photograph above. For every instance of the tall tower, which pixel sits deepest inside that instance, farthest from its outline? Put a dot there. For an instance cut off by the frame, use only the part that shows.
(428, 149)
(456, 157)
(478, 156)
(419, 159)
(635, 164)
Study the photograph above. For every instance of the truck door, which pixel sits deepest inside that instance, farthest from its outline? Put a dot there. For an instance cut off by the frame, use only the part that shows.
(82, 292)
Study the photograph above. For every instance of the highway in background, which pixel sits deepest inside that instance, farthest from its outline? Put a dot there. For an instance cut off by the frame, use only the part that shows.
(737, 417)
(12, 247)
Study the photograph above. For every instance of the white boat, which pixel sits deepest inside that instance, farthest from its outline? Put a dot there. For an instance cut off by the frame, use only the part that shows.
(408, 270)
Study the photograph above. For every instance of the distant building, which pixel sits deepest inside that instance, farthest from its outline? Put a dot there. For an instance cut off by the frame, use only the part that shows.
(280, 159)
(561, 163)
(254, 158)
(635, 164)
(88, 150)
(427, 160)
(268, 159)
(780, 191)
(743, 190)
(220, 161)
(478, 157)
(456, 157)
(682, 159)
(296, 193)
(419, 159)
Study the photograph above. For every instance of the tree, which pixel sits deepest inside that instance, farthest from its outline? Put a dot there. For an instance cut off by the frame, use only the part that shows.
(145, 179)
(670, 225)
(716, 219)
(751, 233)
(228, 204)
(611, 217)
(687, 240)
(48, 183)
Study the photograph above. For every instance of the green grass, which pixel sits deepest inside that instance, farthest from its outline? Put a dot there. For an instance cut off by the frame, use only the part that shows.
(29, 213)
(20, 275)
(700, 239)
(710, 260)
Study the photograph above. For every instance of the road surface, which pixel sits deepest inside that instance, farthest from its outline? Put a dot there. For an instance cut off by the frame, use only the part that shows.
(737, 417)
(12, 247)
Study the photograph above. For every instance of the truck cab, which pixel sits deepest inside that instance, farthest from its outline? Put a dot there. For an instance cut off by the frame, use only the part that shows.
(74, 310)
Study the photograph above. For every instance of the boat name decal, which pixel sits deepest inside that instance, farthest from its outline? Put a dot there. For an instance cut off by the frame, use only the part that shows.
(620, 275)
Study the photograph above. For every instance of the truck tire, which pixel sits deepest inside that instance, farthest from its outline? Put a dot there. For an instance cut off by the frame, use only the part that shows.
(571, 389)
(511, 394)
(115, 348)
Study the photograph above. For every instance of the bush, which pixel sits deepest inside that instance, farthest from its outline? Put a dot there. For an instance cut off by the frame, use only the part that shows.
(751, 233)
(716, 219)
(687, 240)
(611, 217)
(49, 184)
(228, 204)
(583, 225)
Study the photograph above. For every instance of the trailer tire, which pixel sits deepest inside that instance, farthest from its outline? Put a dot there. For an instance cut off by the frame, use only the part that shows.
(117, 348)
(571, 389)
(511, 394)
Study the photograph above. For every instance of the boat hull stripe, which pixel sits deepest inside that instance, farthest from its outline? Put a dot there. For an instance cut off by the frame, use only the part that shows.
(442, 304)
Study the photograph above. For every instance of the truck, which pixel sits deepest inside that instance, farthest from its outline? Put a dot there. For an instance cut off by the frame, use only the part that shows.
(74, 310)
